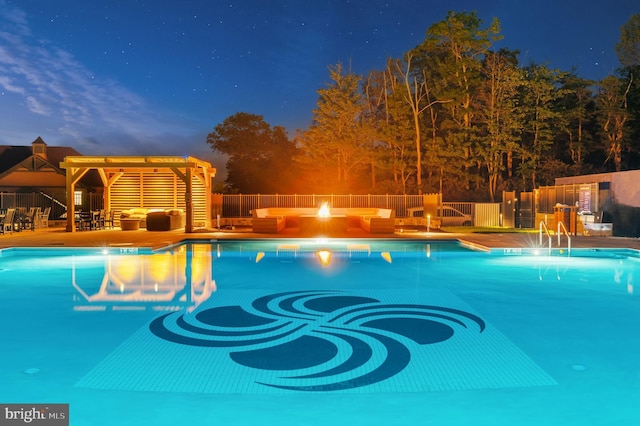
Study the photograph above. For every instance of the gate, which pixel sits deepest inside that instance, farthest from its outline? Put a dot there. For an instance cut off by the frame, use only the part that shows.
(509, 202)
(526, 211)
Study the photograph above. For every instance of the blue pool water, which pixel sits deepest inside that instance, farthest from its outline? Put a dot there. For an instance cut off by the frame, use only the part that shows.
(306, 332)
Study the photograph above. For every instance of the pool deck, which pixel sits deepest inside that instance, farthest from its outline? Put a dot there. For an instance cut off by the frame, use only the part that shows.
(58, 237)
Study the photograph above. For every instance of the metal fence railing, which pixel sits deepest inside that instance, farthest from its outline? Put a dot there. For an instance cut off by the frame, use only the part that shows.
(56, 201)
(241, 205)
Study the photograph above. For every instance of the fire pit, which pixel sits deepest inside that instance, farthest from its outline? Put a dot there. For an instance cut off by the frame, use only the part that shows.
(323, 222)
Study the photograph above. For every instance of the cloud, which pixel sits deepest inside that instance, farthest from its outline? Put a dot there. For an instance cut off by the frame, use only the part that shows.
(46, 88)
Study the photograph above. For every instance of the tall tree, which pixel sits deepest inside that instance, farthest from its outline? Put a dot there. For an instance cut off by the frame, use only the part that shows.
(576, 109)
(416, 95)
(628, 48)
(498, 110)
(452, 51)
(612, 115)
(539, 97)
(337, 144)
(259, 156)
(394, 127)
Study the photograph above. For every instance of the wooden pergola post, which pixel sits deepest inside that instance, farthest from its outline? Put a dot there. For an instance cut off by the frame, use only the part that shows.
(188, 201)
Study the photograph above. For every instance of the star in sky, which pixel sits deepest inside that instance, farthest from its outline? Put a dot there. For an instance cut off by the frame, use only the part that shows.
(125, 76)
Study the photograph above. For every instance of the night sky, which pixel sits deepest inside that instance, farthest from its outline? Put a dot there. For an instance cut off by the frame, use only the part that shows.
(153, 77)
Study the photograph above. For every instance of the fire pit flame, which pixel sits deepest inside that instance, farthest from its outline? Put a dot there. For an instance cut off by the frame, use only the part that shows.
(324, 211)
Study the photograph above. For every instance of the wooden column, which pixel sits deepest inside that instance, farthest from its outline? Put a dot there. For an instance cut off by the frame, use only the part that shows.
(188, 198)
(71, 208)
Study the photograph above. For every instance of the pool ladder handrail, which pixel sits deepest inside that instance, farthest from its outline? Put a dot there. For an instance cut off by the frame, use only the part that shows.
(542, 226)
(561, 228)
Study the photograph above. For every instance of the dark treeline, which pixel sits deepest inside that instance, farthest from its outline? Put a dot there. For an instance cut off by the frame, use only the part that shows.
(453, 115)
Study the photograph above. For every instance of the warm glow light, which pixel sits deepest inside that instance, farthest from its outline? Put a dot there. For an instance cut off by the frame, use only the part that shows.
(325, 257)
(259, 256)
(324, 210)
(386, 256)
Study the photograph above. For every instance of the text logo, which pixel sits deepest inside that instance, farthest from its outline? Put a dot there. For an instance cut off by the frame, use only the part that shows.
(36, 414)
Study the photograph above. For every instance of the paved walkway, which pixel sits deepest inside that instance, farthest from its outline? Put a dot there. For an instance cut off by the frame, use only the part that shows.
(52, 237)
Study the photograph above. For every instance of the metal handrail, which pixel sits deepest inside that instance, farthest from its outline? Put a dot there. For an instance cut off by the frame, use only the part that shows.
(561, 227)
(544, 225)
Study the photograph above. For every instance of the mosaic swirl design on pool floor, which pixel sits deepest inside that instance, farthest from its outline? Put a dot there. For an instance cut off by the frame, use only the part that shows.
(318, 340)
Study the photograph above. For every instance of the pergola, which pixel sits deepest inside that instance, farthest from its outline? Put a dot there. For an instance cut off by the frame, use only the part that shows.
(150, 182)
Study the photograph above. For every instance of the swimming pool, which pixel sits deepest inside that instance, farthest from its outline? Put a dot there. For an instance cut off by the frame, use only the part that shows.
(311, 332)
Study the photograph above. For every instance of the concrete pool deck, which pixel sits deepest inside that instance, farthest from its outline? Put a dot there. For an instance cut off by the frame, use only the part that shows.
(58, 237)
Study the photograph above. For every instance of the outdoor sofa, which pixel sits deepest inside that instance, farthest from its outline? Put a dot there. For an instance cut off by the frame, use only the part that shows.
(166, 220)
(275, 219)
(142, 213)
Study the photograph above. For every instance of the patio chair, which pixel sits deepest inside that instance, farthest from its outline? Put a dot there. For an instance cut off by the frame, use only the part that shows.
(102, 219)
(83, 221)
(43, 220)
(19, 218)
(31, 218)
(6, 222)
(97, 220)
(110, 218)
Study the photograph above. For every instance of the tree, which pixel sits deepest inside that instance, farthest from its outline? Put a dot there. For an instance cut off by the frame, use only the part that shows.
(539, 97)
(259, 157)
(498, 110)
(452, 52)
(576, 110)
(628, 48)
(337, 146)
(394, 129)
(416, 96)
(611, 101)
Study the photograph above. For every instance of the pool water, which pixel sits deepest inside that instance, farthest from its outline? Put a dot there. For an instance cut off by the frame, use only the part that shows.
(315, 332)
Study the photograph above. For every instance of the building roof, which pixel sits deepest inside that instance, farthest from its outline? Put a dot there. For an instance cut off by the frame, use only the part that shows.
(12, 155)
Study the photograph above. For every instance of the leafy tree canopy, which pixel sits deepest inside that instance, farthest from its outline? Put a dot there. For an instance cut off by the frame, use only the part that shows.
(259, 156)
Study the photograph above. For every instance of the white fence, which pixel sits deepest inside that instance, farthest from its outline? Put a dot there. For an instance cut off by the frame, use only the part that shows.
(241, 205)
(407, 207)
